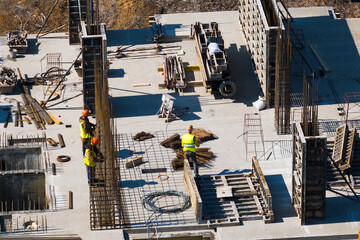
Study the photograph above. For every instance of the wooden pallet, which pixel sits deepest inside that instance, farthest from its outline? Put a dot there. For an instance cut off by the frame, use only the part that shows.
(246, 202)
(343, 147)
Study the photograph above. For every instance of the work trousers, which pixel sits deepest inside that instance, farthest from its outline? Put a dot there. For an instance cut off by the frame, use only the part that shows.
(90, 175)
(191, 155)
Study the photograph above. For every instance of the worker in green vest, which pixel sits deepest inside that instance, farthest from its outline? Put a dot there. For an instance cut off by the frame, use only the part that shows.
(86, 128)
(92, 156)
(188, 142)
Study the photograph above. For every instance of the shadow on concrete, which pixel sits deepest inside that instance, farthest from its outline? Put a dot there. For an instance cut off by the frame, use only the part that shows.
(281, 199)
(128, 37)
(170, 29)
(140, 36)
(116, 73)
(227, 171)
(328, 126)
(33, 46)
(125, 153)
(149, 104)
(4, 110)
(340, 209)
(242, 75)
(136, 183)
(336, 44)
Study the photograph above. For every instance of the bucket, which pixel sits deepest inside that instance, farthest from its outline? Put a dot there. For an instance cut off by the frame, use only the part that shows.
(13, 53)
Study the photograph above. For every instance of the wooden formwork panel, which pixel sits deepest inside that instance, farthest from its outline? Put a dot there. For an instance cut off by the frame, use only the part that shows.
(193, 192)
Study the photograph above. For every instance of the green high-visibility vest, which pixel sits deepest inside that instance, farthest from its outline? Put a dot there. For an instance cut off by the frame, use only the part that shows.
(188, 143)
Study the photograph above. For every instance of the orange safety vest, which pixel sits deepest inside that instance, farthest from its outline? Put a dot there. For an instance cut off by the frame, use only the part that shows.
(188, 142)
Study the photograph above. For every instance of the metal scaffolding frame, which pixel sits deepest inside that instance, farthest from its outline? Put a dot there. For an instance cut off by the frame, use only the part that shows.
(253, 135)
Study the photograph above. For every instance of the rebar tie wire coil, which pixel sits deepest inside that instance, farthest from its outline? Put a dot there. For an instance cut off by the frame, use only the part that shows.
(149, 202)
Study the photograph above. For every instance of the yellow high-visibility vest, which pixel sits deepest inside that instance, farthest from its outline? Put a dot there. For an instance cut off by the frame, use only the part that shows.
(188, 143)
(84, 134)
(87, 160)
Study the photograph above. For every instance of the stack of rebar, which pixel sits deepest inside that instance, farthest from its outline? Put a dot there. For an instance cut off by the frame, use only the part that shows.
(174, 73)
(34, 111)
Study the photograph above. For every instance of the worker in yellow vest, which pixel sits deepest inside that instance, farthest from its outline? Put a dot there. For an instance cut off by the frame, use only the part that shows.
(86, 128)
(188, 142)
(92, 156)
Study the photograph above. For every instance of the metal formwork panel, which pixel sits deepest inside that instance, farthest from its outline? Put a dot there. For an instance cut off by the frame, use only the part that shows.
(92, 58)
(261, 23)
(308, 175)
(75, 18)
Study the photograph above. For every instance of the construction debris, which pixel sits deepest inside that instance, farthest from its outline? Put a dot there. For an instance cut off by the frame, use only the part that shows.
(7, 76)
(17, 40)
(203, 156)
(142, 136)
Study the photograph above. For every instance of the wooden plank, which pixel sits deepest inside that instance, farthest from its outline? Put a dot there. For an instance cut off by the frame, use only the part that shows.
(193, 191)
(133, 162)
(188, 68)
(57, 121)
(141, 84)
(264, 189)
(188, 84)
(320, 58)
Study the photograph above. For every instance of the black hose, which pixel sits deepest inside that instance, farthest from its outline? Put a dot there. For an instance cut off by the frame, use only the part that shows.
(149, 202)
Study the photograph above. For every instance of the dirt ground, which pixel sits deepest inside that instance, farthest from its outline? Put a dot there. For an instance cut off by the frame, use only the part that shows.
(127, 14)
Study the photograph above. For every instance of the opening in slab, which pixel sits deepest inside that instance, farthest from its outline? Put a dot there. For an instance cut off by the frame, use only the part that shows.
(22, 180)
(17, 159)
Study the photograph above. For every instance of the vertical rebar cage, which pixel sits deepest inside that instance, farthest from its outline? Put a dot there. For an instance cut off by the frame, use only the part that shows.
(105, 200)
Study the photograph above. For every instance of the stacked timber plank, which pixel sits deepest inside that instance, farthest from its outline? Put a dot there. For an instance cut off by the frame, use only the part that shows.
(201, 135)
(203, 155)
(173, 142)
(142, 136)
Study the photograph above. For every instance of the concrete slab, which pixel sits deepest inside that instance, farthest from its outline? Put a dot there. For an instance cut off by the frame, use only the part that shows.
(135, 110)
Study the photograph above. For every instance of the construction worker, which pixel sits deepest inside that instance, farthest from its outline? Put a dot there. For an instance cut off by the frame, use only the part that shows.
(188, 142)
(86, 128)
(92, 156)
